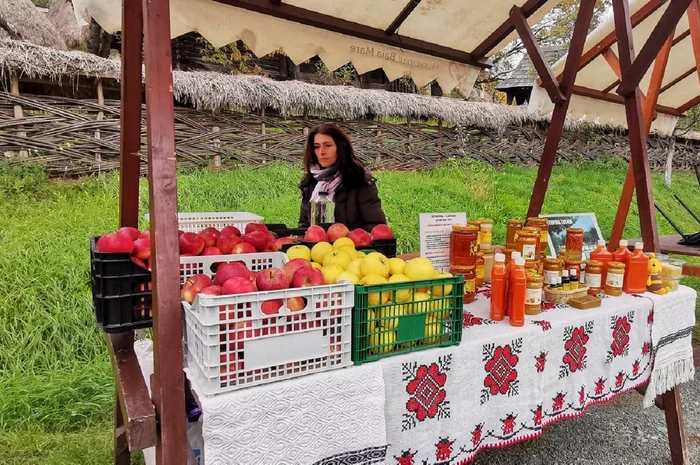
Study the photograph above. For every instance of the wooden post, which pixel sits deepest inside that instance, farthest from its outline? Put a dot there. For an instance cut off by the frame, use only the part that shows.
(130, 118)
(262, 126)
(169, 389)
(100, 117)
(217, 147)
(675, 427)
(19, 113)
(122, 454)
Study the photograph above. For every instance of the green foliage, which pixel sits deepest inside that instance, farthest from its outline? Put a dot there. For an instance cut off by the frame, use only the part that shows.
(234, 55)
(340, 77)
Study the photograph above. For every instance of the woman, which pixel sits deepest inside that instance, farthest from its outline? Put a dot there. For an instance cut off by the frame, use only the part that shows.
(331, 166)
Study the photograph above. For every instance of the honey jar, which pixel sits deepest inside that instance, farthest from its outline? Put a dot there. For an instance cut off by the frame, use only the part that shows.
(574, 244)
(533, 294)
(552, 270)
(615, 278)
(542, 224)
(479, 269)
(594, 277)
(511, 228)
(485, 231)
(527, 244)
(463, 245)
(469, 274)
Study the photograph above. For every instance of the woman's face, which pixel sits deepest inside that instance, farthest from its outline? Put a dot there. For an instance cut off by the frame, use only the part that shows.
(325, 149)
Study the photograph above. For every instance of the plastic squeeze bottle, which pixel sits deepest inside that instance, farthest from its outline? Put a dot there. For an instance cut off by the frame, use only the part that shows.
(602, 255)
(517, 288)
(509, 269)
(621, 254)
(499, 277)
(636, 271)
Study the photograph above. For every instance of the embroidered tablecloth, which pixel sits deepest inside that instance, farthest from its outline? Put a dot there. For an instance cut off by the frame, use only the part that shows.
(501, 385)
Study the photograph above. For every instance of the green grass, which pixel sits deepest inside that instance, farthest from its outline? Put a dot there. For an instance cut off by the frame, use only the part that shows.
(55, 376)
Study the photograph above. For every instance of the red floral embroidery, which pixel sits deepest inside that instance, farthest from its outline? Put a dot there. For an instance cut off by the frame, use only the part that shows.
(558, 402)
(540, 362)
(471, 320)
(599, 386)
(619, 379)
(635, 368)
(650, 317)
(406, 457)
(582, 395)
(501, 370)
(620, 336)
(537, 415)
(508, 424)
(646, 348)
(427, 392)
(443, 449)
(476, 434)
(575, 348)
(544, 324)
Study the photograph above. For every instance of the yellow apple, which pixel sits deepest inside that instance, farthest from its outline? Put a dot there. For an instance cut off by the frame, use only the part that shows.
(396, 265)
(439, 291)
(330, 273)
(343, 242)
(355, 267)
(377, 254)
(419, 269)
(337, 257)
(350, 250)
(388, 316)
(347, 276)
(360, 254)
(402, 295)
(433, 329)
(374, 298)
(299, 251)
(421, 302)
(320, 250)
(382, 343)
(318, 266)
(375, 265)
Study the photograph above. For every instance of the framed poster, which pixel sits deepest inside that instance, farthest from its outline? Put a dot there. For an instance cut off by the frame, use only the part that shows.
(557, 231)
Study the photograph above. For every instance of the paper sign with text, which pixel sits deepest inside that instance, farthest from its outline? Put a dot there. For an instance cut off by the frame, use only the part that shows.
(435, 229)
(557, 231)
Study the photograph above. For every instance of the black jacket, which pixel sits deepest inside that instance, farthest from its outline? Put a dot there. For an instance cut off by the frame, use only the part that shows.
(357, 203)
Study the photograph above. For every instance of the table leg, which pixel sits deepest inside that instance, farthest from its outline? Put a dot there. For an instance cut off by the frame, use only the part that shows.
(122, 455)
(676, 428)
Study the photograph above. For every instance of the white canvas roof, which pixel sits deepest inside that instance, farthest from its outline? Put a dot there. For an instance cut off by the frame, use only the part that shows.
(457, 29)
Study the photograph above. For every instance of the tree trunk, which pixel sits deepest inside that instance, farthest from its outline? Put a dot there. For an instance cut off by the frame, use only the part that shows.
(94, 38)
(669, 162)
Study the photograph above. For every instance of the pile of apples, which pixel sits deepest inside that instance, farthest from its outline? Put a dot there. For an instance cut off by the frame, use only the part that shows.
(359, 236)
(128, 240)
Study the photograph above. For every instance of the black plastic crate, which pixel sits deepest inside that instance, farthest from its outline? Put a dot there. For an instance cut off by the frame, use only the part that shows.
(120, 291)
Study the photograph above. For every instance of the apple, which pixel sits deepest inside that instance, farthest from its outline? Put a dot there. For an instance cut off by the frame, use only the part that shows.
(243, 247)
(315, 233)
(257, 239)
(271, 307)
(211, 251)
(226, 271)
(360, 237)
(210, 230)
(250, 227)
(307, 277)
(140, 263)
(130, 233)
(293, 265)
(231, 231)
(295, 304)
(382, 231)
(193, 286)
(211, 290)
(180, 232)
(226, 243)
(191, 243)
(147, 235)
(142, 249)
(209, 238)
(336, 231)
(282, 241)
(238, 285)
(272, 279)
(115, 243)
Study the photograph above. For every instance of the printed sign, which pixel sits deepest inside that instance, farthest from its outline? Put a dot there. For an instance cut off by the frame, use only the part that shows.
(435, 229)
(557, 231)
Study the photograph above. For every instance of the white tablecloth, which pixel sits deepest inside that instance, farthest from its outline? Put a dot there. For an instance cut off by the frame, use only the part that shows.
(501, 385)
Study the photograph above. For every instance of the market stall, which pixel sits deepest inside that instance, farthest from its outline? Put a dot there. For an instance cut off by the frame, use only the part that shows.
(424, 51)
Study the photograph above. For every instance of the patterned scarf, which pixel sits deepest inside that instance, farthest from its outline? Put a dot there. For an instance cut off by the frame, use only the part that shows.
(325, 182)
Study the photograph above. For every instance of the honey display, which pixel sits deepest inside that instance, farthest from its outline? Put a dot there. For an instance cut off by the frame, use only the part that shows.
(527, 244)
(552, 270)
(469, 274)
(512, 228)
(574, 244)
(479, 271)
(615, 278)
(463, 246)
(637, 266)
(542, 224)
(488, 255)
(485, 231)
(533, 294)
(594, 277)
(602, 255)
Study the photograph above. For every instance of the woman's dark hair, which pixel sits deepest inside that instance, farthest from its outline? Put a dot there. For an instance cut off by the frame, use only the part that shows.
(347, 160)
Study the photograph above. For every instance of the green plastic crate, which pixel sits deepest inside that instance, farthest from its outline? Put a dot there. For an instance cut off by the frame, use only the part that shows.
(382, 329)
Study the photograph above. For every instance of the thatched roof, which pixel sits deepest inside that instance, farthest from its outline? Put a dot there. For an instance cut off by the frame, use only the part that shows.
(21, 20)
(63, 19)
(215, 91)
(524, 74)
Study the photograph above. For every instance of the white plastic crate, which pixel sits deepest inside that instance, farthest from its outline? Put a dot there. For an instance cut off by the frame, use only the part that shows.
(231, 344)
(195, 222)
(255, 262)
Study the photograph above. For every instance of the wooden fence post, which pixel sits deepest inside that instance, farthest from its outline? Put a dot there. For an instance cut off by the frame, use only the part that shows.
(217, 147)
(19, 113)
(262, 130)
(100, 117)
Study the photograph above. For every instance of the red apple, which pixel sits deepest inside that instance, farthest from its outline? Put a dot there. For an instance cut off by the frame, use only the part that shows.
(226, 243)
(210, 230)
(130, 233)
(272, 279)
(238, 285)
(271, 307)
(360, 237)
(307, 277)
(382, 231)
(250, 227)
(139, 263)
(180, 232)
(315, 233)
(193, 286)
(257, 239)
(295, 304)
(279, 243)
(293, 265)
(211, 251)
(147, 235)
(209, 238)
(115, 243)
(231, 231)
(142, 249)
(336, 231)
(191, 243)
(226, 271)
(243, 247)
(211, 290)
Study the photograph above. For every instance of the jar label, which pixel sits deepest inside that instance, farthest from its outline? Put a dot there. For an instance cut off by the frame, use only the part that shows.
(470, 285)
(593, 280)
(533, 296)
(614, 280)
(529, 252)
(550, 276)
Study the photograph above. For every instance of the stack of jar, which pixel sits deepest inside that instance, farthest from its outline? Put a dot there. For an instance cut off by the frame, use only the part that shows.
(472, 254)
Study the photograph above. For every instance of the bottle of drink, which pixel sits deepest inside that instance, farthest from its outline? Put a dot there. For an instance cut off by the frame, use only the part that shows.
(602, 254)
(511, 266)
(565, 282)
(488, 261)
(499, 278)
(517, 289)
(573, 279)
(636, 271)
(322, 209)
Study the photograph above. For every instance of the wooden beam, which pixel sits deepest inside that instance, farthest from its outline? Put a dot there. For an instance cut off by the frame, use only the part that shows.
(134, 409)
(398, 21)
(360, 31)
(536, 56)
(169, 388)
(689, 104)
(635, 127)
(611, 86)
(130, 117)
(505, 29)
(663, 29)
(673, 411)
(583, 21)
(614, 98)
(678, 79)
(693, 14)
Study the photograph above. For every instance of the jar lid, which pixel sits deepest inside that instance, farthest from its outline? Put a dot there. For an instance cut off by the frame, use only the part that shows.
(513, 220)
(525, 233)
(486, 226)
(475, 222)
(534, 277)
(574, 230)
(464, 228)
(461, 269)
(616, 265)
(594, 263)
(551, 261)
(486, 247)
(531, 229)
(573, 262)
(485, 221)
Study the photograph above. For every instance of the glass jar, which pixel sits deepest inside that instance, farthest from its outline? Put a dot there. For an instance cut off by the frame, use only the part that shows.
(552, 270)
(488, 256)
(527, 244)
(508, 252)
(479, 269)
(511, 228)
(542, 224)
(469, 274)
(594, 277)
(574, 244)
(485, 231)
(533, 294)
(615, 278)
(573, 265)
(463, 246)
(322, 209)
(531, 266)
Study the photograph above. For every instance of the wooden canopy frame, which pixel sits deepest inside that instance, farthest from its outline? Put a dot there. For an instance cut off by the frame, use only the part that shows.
(146, 27)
